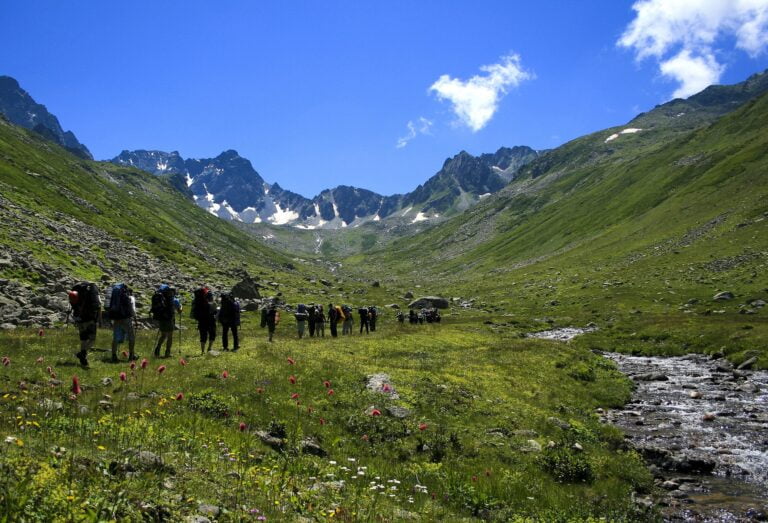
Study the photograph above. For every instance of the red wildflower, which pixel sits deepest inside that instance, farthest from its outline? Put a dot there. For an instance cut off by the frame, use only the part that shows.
(179, 396)
(76, 390)
(39, 360)
(53, 375)
(295, 396)
(183, 362)
(386, 387)
(225, 375)
(330, 392)
(133, 365)
(375, 412)
(423, 426)
(474, 478)
(161, 369)
(6, 361)
(259, 390)
(123, 377)
(49, 369)
(292, 379)
(310, 409)
(41, 333)
(144, 363)
(322, 421)
(125, 354)
(364, 437)
(327, 384)
(291, 361)
(243, 426)
(488, 472)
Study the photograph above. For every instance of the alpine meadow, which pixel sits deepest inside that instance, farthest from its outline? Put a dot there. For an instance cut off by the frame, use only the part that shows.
(569, 330)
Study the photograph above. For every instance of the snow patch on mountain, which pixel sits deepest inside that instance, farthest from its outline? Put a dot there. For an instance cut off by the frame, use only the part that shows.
(630, 130)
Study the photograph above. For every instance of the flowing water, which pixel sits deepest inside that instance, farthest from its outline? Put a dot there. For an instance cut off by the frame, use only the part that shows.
(703, 428)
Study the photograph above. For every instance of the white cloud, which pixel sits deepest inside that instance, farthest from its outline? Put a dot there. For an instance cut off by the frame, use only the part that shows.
(476, 100)
(421, 127)
(683, 35)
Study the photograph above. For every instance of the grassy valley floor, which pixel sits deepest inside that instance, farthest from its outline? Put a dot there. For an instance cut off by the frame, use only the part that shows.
(495, 427)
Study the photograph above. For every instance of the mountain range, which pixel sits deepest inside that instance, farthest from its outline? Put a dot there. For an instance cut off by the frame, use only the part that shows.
(229, 187)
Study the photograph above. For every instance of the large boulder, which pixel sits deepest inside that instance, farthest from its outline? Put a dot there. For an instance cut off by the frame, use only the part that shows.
(429, 301)
(246, 289)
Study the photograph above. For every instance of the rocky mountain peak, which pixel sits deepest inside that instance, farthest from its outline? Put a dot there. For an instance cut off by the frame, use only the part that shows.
(21, 109)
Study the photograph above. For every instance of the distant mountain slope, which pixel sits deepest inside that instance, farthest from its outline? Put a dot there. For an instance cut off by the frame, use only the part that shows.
(613, 199)
(21, 109)
(229, 187)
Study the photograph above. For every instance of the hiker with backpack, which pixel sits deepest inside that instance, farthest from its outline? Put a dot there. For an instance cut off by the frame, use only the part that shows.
(272, 319)
(333, 319)
(363, 312)
(229, 317)
(85, 304)
(164, 307)
(372, 316)
(301, 319)
(311, 319)
(206, 321)
(346, 326)
(319, 321)
(122, 313)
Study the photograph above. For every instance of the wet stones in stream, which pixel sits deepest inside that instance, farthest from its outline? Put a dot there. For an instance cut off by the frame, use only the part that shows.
(704, 431)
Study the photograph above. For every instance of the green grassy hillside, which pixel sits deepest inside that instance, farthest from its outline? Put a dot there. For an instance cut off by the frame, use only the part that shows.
(641, 224)
(83, 219)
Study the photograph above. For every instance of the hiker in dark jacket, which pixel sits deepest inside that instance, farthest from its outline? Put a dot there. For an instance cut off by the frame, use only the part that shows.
(122, 314)
(206, 323)
(301, 319)
(273, 318)
(311, 319)
(229, 317)
(319, 321)
(363, 312)
(372, 316)
(333, 319)
(165, 306)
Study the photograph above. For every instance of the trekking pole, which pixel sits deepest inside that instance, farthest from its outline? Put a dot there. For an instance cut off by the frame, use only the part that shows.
(181, 324)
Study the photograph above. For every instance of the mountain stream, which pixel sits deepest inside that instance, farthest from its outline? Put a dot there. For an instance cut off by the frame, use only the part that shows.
(702, 426)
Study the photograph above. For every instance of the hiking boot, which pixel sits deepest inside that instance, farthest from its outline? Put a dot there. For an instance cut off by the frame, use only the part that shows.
(114, 359)
(133, 357)
(167, 354)
(235, 349)
(157, 352)
(83, 359)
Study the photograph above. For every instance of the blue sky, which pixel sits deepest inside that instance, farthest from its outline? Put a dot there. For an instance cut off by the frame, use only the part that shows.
(371, 94)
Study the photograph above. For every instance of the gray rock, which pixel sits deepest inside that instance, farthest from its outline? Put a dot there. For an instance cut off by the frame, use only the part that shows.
(723, 296)
(531, 446)
(559, 423)
(376, 284)
(429, 301)
(246, 289)
(209, 510)
(270, 440)
(398, 412)
(748, 363)
(408, 295)
(382, 384)
(393, 306)
(311, 446)
(651, 376)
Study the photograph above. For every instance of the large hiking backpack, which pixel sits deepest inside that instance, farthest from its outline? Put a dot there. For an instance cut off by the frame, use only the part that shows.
(347, 311)
(84, 299)
(229, 312)
(120, 302)
(162, 303)
(301, 308)
(199, 303)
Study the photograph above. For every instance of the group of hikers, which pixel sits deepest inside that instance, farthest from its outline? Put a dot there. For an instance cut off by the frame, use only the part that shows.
(88, 311)
(314, 317)
(423, 316)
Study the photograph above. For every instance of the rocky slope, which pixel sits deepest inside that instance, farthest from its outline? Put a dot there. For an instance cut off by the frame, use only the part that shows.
(66, 219)
(229, 187)
(21, 109)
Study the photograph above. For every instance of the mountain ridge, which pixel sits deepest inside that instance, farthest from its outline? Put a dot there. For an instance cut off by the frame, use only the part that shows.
(229, 187)
(21, 109)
